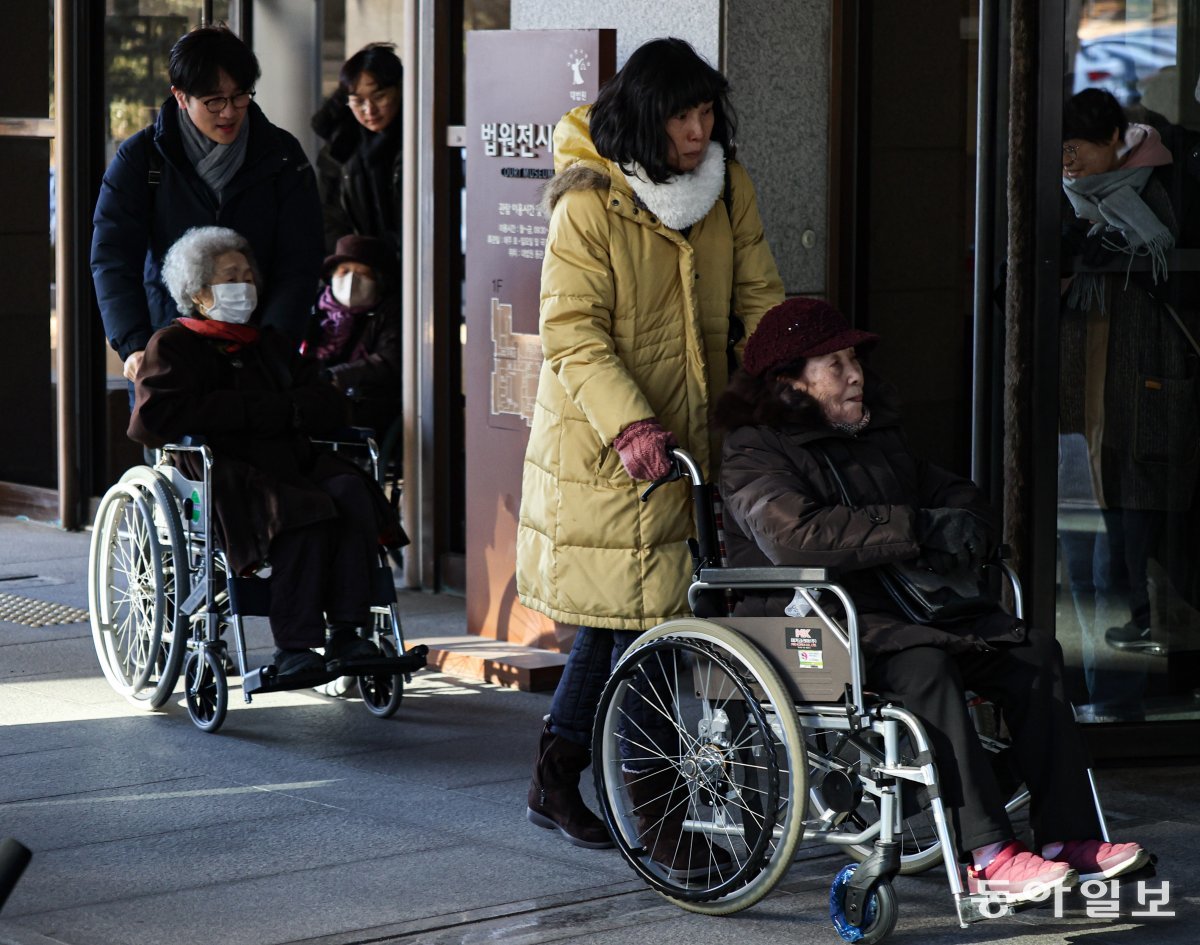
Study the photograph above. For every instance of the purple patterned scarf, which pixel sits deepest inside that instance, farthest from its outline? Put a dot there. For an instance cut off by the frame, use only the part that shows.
(337, 325)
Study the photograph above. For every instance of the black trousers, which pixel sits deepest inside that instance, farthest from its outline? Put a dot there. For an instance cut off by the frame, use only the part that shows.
(325, 571)
(1026, 682)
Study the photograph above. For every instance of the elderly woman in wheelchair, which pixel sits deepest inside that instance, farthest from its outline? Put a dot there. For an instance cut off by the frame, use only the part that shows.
(278, 498)
(816, 473)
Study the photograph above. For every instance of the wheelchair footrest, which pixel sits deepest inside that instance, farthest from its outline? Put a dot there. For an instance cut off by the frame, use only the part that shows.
(410, 662)
(265, 679)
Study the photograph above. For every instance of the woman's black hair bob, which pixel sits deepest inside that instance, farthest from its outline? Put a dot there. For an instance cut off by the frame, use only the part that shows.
(1093, 115)
(662, 78)
(197, 56)
(380, 60)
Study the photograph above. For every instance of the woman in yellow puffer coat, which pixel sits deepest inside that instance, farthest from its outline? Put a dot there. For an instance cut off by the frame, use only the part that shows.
(654, 234)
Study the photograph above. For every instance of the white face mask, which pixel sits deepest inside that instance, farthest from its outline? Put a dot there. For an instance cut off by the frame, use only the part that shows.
(233, 302)
(352, 289)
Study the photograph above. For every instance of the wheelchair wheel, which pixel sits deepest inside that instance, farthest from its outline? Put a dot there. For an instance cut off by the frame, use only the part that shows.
(879, 917)
(206, 689)
(698, 703)
(382, 693)
(138, 577)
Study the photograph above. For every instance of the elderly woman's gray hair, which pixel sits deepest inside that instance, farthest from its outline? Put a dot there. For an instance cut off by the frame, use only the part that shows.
(188, 265)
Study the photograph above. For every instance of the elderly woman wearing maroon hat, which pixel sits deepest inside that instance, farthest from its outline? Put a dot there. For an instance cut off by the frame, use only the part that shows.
(802, 406)
(355, 332)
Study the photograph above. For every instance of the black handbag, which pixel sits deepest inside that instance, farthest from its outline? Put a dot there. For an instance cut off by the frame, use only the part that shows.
(923, 595)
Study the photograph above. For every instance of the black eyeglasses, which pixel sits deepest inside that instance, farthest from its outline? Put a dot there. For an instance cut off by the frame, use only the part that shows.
(239, 100)
(378, 98)
(1070, 151)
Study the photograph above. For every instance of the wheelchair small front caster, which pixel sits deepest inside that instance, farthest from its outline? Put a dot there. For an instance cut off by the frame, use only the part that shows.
(382, 692)
(879, 917)
(206, 690)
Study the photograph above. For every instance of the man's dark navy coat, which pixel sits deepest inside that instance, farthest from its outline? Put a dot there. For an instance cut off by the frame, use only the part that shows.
(272, 201)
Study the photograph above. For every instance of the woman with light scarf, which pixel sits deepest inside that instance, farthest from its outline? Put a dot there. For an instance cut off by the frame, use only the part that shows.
(1128, 390)
(655, 257)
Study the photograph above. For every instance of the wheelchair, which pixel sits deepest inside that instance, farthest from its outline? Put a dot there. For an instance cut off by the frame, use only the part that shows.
(769, 737)
(162, 596)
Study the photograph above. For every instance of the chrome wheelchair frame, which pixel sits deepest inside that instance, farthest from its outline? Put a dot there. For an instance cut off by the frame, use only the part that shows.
(161, 597)
(753, 705)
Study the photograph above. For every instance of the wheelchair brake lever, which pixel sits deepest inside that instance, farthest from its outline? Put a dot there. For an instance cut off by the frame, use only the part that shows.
(675, 473)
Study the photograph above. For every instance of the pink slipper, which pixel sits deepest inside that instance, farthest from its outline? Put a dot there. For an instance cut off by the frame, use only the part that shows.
(1019, 875)
(1099, 859)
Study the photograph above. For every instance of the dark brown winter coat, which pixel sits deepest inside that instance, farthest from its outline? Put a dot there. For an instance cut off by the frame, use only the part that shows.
(368, 370)
(783, 507)
(257, 407)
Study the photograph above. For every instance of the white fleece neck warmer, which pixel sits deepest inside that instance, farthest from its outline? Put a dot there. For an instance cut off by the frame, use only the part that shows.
(685, 198)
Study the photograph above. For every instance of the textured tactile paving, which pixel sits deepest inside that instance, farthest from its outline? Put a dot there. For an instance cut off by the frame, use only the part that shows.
(29, 612)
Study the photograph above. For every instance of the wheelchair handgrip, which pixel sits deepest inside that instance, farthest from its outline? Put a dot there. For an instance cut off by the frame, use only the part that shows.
(706, 525)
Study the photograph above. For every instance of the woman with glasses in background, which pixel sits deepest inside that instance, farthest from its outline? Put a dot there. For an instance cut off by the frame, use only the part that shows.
(210, 158)
(360, 167)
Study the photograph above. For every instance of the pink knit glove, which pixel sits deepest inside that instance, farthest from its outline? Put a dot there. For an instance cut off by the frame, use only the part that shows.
(643, 449)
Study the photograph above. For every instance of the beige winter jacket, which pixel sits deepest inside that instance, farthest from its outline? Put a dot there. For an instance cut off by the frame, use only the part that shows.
(634, 324)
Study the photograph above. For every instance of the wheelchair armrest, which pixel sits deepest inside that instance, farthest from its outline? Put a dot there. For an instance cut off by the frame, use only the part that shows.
(765, 577)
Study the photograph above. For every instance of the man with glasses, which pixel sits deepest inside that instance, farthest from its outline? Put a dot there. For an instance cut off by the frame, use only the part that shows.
(210, 159)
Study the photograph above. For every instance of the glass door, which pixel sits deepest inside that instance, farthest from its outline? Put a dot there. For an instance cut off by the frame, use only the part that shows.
(26, 225)
(1128, 601)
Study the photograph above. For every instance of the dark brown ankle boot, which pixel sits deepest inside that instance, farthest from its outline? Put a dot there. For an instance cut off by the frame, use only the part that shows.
(554, 799)
(659, 798)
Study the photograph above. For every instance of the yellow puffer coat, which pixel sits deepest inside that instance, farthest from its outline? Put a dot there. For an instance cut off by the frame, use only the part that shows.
(634, 324)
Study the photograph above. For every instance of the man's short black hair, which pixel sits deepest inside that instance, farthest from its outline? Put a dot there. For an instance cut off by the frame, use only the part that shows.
(380, 60)
(1093, 115)
(662, 78)
(197, 56)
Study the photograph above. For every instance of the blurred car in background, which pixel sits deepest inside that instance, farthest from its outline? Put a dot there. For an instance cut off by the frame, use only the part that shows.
(1120, 61)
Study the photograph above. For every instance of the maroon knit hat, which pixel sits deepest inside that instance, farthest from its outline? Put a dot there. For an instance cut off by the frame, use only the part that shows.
(800, 328)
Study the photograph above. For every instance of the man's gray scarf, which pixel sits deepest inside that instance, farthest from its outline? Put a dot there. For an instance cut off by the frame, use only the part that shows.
(1112, 201)
(215, 163)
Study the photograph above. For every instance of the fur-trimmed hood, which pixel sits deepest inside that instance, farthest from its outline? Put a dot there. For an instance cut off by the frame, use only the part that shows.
(582, 176)
(577, 163)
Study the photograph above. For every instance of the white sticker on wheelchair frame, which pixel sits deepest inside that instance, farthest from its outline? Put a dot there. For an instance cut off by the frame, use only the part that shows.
(806, 641)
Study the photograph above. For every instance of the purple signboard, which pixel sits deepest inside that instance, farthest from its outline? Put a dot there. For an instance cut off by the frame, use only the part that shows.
(519, 83)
